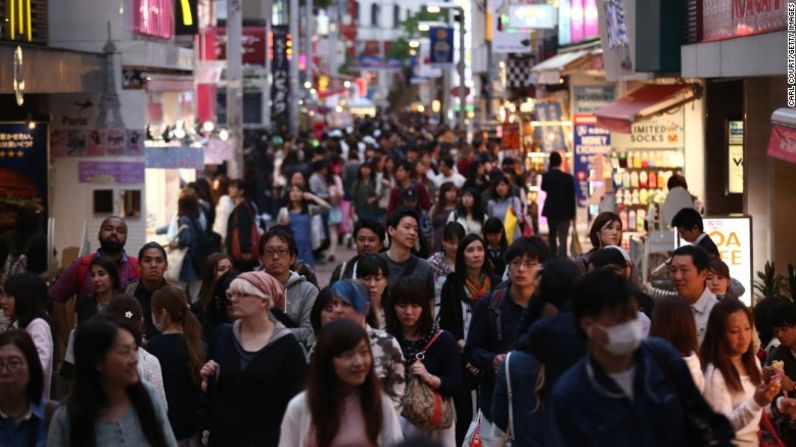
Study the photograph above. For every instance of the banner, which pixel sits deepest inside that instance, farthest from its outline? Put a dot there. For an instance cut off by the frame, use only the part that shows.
(154, 18)
(782, 144)
(217, 152)
(588, 98)
(665, 131)
(280, 65)
(174, 157)
(97, 142)
(550, 136)
(23, 168)
(122, 172)
(441, 46)
(589, 141)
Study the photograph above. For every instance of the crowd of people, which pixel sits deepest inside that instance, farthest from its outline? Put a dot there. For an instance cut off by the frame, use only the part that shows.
(455, 324)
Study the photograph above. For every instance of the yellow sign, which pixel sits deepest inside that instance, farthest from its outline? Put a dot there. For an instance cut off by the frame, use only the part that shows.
(18, 19)
(187, 17)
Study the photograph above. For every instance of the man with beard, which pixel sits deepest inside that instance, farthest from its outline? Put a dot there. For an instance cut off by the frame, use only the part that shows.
(75, 280)
(154, 263)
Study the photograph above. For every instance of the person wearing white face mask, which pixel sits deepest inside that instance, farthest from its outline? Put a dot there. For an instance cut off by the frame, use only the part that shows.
(629, 390)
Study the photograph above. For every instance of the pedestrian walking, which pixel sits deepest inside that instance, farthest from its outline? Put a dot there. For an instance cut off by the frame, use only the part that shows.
(559, 206)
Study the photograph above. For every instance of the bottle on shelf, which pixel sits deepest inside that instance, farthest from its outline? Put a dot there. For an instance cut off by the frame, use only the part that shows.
(641, 217)
(631, 220)
(643, 179)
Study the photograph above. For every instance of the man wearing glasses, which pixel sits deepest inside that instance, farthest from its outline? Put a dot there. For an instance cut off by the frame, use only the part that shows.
(493, 329)
(277, 254)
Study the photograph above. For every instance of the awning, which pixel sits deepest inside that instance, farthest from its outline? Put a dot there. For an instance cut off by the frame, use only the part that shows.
(551, 70)
(782, 144)
(644, 103)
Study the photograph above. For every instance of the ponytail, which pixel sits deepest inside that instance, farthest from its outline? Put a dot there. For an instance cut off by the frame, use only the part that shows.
(175, 303)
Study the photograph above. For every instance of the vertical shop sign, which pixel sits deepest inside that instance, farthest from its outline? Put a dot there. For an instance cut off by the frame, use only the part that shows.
(550, 135)
(280, 88)
(589, 141)
(735, 157)
(154, 18)
(441, 46)
(23, 165)
(186, 17)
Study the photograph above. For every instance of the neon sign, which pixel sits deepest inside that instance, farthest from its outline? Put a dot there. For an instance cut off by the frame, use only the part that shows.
(18, 18)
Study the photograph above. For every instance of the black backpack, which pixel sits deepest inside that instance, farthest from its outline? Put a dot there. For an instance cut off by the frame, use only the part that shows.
(206, 243)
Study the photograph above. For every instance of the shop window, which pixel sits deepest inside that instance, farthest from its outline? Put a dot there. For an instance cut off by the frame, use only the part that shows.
(396, 16)
(375, 11)
(131, 202)
(103, 201)
(355, 14)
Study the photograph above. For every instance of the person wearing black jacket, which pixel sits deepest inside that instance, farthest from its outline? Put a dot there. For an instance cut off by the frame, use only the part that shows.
(471, 281)
(239, 228)
(368, 237)
(690, 227)
(559, 206)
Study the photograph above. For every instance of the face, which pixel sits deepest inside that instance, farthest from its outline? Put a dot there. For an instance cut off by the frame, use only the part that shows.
(297, 179)
(224, 265)
(468, 200)
(153, 264)
(7, 303)
(408, 314)
(687, 281)
(786, 335)
(14, 374)
(113, 235)
(611, 233)
(738, 333)
(405, 233)
(120, 364)
(234, 192)
(101, 281)
(296, 194)
(245, 305)
(277, 258)
(523, 271)
(367, 242)
(450, 196)
(450, 247)
(717, 284)
(341, 309)
(688, 234)
(444, 169)
(365, 171)
(494, 239)
(502, 189)
(352, 366)
(607, 319)
(401, 174)
(474, 255)
(421, 170)
(375, 285)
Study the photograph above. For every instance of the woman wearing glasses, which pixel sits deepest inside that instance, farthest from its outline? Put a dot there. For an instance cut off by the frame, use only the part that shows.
(496, 318)
(256, 366)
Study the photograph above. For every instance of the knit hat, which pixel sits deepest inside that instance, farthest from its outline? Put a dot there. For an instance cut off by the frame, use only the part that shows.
(268, 285)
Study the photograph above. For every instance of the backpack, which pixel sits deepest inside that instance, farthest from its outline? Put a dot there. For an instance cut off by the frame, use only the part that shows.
(494, 311)
(16, 261)
(206, 244)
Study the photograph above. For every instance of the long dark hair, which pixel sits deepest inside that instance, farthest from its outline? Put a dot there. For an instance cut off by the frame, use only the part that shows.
(716, 351)
(477, 212)
(174, 301)
(494, 225)
(599, 223)
(24, 343)
(324, 390)
(304, 203)
(673, 320)
(440, 206)
(209, 271)
(29, 292)
(93, 340)
(461, 266)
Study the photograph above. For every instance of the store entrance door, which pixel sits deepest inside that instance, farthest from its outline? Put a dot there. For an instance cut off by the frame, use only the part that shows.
(723, 139)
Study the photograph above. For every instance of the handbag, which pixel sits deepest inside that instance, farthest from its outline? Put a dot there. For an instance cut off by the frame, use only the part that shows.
(768, 436)
(176, 257)
(316, 231)
(575, 248)
(497, 437)
(473, 436)
(425, 408)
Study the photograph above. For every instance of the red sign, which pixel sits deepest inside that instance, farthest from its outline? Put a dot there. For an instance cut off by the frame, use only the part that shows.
(253, 41)
(455, 91)
(511, 136)
(782, 144)
(154, 18)
(726, 19)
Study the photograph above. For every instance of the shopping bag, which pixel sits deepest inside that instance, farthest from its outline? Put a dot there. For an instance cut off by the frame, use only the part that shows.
(176, 257)
(509, 224)
(316, 231)
(473, 436)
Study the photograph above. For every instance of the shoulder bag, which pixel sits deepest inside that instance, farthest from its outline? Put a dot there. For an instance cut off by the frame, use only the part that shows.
(425, 408)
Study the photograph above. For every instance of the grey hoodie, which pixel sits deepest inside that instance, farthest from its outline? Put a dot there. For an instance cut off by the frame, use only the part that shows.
(300, 295)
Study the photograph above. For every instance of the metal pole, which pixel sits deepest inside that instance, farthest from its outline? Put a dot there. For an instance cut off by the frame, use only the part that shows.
(294, 81)
(266, 98)
(309, 32)
(462, 95)
(235, 86)
(334, 20)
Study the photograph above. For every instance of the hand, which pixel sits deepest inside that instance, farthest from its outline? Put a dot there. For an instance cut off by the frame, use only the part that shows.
(419, 369)
(461, 345)
(787, 406)
(498, 362)
(788, 384)
(173, 244)
(307, 195)
(210, 369)
(766, 392)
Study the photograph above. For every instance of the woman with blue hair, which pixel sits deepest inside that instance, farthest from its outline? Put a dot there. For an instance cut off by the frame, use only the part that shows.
(350, 300)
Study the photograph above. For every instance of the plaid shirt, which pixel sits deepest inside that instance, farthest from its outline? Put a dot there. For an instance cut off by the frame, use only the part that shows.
(67, 284)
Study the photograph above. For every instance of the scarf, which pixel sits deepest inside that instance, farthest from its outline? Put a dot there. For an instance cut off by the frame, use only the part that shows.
(477, 289)
(412, 348)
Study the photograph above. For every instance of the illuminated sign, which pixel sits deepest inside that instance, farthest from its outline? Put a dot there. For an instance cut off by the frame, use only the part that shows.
(154, 18)
(186, 17)
(532, 16)
(19, 24)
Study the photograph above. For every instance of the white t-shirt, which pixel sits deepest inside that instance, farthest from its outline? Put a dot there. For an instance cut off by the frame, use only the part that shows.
(625, 381)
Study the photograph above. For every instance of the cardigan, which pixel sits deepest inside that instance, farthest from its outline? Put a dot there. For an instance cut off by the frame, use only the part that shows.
(296, 425)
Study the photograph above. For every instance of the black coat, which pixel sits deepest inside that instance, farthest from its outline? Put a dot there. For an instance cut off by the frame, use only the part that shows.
(560, 189)
(452, 295)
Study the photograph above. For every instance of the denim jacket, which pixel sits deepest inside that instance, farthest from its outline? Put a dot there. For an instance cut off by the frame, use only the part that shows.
(587, 408)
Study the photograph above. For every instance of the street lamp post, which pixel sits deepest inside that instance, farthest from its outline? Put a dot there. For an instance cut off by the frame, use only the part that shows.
(462, 94)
